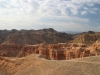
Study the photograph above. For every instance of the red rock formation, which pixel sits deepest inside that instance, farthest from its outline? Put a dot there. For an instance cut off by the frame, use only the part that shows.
(56, 54)
(70, 55)
(10, 50)
(94, 51)
(51, 51)
(86, 53)
(27, 50)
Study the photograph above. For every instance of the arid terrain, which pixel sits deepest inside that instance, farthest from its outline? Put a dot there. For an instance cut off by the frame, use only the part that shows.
(34, 65)
(48, 52)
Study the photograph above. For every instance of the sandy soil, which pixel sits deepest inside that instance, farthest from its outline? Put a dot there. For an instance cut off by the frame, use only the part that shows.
(33, 65)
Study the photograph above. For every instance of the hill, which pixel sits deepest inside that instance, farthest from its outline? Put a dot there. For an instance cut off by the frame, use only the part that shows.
(4, 34)
(87, 37)
(37, 36)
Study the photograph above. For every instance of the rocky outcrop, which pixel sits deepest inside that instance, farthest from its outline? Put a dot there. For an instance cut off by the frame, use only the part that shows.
(61, 51)
(27, 50)
(97, 44)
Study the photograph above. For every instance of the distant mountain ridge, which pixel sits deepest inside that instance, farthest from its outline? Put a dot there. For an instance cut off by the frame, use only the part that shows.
(46, 35)
(73, 32)
(34, 36)
(4, 34)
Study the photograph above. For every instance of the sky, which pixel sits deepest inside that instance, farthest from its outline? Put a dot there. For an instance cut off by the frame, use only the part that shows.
(62, 15)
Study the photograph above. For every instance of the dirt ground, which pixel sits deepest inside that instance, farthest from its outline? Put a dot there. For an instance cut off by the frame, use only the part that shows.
(33, 65)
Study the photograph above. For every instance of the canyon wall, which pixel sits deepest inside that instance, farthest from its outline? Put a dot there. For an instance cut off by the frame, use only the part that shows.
(60, 51)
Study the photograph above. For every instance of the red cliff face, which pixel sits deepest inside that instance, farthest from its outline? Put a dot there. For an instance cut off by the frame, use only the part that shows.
(65, 51)
(27, 50)
(60, 51)
(10, 50)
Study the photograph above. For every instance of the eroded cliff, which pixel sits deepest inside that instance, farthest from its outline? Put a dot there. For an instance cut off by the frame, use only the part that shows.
(60, 51)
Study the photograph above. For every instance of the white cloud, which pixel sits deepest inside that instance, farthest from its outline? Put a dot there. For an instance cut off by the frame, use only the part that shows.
(85, 8)
(93, 12)
(95, 9)
(84, 12)
(37, 13)
(90, 10)
(86, 1)
(90, 4)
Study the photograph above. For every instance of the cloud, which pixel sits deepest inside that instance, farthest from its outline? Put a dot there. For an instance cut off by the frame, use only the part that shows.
(93, 12)
(46, 7)
(90, 4)
(95, 9)
(46, 13)
(86, 1)
(84, 12)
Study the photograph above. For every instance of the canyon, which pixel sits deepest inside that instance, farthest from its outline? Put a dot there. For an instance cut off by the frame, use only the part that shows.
(54, 45)
(37, 52)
